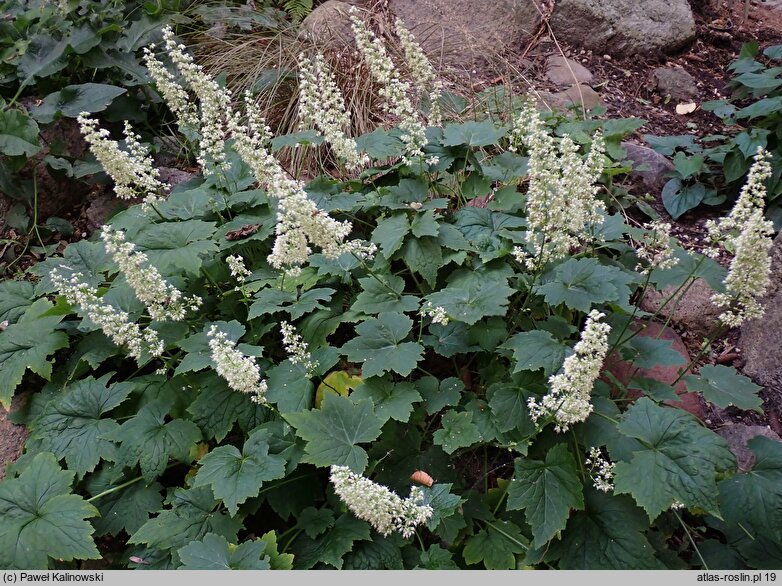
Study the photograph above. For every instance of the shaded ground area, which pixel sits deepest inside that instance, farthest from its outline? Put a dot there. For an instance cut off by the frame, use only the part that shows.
(12, 437)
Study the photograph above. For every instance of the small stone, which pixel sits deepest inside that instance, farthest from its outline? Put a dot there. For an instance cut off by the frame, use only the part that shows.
(694, 310)
(649, 166)
(565, 72)
(570, 97)
(675, 82)
(737, 436)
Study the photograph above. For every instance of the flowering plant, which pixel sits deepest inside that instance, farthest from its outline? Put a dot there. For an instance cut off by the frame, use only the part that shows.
(426, 317)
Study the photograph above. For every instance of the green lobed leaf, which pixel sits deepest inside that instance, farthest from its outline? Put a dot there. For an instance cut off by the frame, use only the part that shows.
(457, 431)
(173, 247)
(314, 521)
(194, 512)
(290, 387)
(423, 256)
(42, 519)
(536, 349)
(15, 298)
(679, 459)
(392, 401)
(334, 431)
(381, 553)
(147, 439)
(213, 552)
(486, 230)
(125, 509)
(649, 352)
(277, 560)
(437, 558)
(390, 232)
(508, 403)
(495, 546)
(754, 499)
(443, 503)
(438, 394)
(235, 476)
(330, 547)
(377, 297)
(724, 387)
(72, 425)
(379, 346)
(608, 535)
(580, 283)
(546, 492)
(72, 100)
(26, 345)
(474, 134)
(472, 295)
(18, 134)
(218, 407)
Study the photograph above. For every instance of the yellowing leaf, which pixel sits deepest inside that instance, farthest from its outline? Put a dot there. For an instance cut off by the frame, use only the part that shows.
(688, 108)
(339, 382)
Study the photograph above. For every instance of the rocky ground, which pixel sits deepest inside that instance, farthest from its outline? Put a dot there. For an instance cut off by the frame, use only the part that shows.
(567, 55)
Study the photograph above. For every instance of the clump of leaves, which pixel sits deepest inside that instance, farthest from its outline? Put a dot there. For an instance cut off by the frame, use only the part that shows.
(710, 173)
(179, 468)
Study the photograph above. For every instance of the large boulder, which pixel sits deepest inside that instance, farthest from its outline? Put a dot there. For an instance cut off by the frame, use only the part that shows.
(760, 338)
(329, 25)
(624, 27)
(457, 31)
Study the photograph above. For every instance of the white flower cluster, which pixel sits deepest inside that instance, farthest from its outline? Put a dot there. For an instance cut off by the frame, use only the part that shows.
(393, 90)
(380, 507)
(214, 101)
(238, 270)
(601, 470)
(240, 372)
(322, 106)
(561, 200)
(297, 348)
(115, 323)
(173, 94)
(655, 248)
(747, 234)
(299, 221)
(569, 393)
(162, 300)
(132, 171)
(438, 314)
(421, 70)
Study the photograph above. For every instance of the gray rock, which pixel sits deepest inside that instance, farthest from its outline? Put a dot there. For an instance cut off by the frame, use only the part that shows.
(457, 31)
(648, 165)
(103, 207)
(737, 436)
(625, 27)
(564, 72)
(329, 25)
(675, 82)
(173, 176)
(760, 340)
(694, 311)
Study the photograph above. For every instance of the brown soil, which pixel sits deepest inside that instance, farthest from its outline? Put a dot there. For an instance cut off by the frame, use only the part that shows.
(12, 437)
